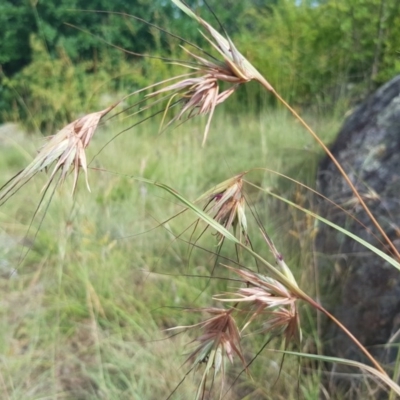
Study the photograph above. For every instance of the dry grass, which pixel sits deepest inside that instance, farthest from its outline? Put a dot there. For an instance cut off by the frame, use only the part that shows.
(81, 313)
(66, 150)
(272, 300)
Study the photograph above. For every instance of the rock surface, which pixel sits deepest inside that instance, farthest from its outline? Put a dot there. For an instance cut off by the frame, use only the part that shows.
(367, 288)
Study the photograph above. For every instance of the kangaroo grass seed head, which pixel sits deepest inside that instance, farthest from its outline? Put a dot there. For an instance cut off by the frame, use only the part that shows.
(226, 204)
(66, 149)
(220, 337)
(239, 65)
(200, 95)
(270, 301)
(285, 321)
(269, 285)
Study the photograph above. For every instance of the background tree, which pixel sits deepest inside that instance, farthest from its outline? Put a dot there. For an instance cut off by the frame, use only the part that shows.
(318, 53)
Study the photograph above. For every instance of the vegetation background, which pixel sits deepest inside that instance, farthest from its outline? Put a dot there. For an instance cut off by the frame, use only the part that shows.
(318, 54)
(82, 314)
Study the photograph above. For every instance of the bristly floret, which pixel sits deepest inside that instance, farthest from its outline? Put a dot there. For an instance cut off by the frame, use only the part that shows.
(200, 95)
(66, 149)
(219, 338)
(271, 302)
(226, 204)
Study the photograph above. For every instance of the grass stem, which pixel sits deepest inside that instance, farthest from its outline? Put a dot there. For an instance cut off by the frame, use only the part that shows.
(341, 170)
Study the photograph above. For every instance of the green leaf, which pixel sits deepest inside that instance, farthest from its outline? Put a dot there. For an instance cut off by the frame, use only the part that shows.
(369, 246)
(351, 363)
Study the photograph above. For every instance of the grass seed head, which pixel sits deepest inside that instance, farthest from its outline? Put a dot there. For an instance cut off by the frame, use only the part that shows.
(220, 337)
(285, 321)
(226, 203)
(238, 64)
(269, 299)
(66, 149)
(200, 95)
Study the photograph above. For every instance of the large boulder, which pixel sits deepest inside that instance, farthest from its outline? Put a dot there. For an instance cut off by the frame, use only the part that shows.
(367, 298)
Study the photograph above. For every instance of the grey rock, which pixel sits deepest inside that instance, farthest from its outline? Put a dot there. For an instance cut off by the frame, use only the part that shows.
(367, 298)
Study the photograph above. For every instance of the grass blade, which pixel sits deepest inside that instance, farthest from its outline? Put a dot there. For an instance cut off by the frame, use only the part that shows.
(369, 246)
(351, 363)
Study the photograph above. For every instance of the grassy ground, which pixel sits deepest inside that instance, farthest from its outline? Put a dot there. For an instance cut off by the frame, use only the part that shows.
(83, 313)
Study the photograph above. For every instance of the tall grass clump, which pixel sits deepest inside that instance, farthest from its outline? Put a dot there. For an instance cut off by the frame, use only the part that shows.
(241, 300)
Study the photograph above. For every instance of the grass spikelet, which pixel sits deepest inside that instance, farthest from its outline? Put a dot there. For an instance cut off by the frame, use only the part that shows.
(200, 95)
(236, 62)
(66, 149)
(220, 338)
(226, 203)
(269, 299)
